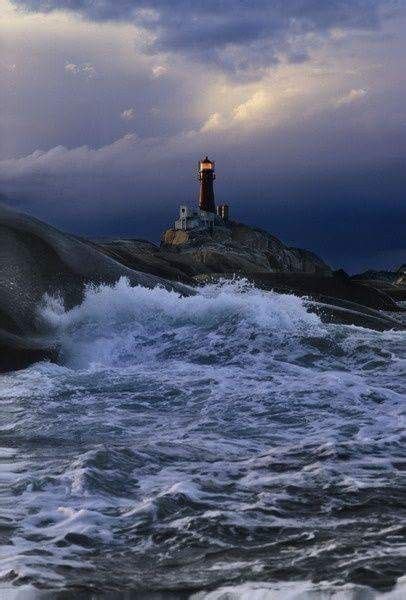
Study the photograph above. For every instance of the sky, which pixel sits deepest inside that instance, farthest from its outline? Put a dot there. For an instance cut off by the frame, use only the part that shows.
(107, 105)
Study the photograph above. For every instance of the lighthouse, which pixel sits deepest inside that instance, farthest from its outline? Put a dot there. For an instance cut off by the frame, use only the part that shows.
(207, 216)
(206, 178)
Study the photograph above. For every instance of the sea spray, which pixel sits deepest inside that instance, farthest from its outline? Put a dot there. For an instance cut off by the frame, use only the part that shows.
(121, 325)
(189, 443)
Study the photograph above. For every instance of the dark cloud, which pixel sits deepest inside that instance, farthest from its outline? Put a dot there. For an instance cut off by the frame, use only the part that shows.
(313, 190)
(323, 144)
(236, 35)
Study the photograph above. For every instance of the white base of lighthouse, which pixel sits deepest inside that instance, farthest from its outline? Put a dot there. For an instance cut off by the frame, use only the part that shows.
(192, 218)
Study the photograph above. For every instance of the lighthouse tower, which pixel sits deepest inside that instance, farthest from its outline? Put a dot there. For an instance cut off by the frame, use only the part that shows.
(206, 178)
(208, 216)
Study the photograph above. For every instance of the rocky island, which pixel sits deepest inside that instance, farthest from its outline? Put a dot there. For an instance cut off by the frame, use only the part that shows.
(205, 244)
(233, 248)
(202, 246)
(36, 259)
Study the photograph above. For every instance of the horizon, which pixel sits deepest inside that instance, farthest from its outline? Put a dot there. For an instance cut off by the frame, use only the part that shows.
(107, 108)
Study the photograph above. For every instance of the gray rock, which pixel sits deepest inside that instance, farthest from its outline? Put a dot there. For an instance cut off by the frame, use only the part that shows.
(241, 249)
(36, 259)
(392, 283)
(237, 249)
(401, 276)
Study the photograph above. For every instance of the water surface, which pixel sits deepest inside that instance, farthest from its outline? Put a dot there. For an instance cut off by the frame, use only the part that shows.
(188, 444)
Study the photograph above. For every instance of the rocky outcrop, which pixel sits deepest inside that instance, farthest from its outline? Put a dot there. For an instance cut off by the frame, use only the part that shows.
(326, 289)
(401, 276)
(148, 258)
(36, 259)
(239, 249)
(198, 256)
(392, 283)
(371, 275)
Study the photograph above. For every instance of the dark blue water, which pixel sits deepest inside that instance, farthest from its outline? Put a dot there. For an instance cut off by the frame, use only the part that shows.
(227, 445)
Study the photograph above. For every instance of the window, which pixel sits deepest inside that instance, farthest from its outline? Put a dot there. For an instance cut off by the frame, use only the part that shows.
(206, 165)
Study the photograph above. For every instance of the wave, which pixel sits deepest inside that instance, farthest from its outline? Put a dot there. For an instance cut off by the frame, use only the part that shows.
(302, 590)
(116, 324)
(192, 443)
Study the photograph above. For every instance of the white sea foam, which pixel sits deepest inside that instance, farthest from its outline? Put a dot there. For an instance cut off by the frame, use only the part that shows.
(215, 437)
(300, 591)
(114, 322)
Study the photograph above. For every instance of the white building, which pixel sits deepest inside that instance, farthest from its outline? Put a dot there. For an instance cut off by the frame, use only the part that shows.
(193, 218)
(207, 215)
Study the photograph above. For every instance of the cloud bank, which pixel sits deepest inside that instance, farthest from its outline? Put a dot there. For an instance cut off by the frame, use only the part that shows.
(107, 106)
(236, 36)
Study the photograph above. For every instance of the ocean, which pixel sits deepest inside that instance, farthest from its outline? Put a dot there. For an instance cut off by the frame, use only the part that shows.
(228, 445)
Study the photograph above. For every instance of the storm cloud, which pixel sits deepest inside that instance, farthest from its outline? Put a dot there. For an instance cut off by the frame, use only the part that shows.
(237, 36)
(311, 192)
(106, 107)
